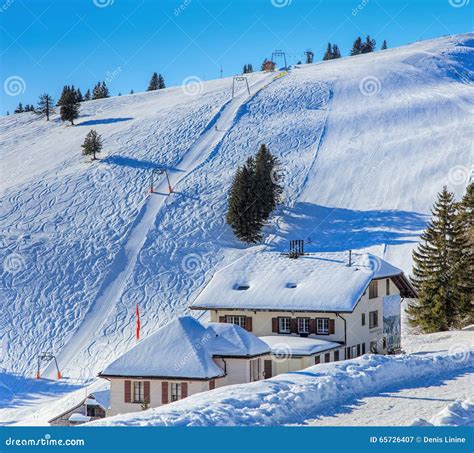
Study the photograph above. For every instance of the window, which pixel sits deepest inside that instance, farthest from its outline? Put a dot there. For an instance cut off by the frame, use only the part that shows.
(303, 325)
(317, 360)
(284, 325)
(363, 319)
(241, 287)
(176, 391)
(254, 370)
(138, 392)
(336, 356)
(238, 320)
(322, 326)
(354, 351)
(363, 348)
(373, 319)
(387, 287)
(373, 289)
(327, 357)
(373, 347)
(384, 343)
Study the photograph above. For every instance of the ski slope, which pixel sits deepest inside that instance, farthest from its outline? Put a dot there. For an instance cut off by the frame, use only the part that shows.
(83, 243)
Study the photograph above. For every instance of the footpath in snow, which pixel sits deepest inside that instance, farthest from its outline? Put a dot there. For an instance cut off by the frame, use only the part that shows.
(114, 283)
(295, 398)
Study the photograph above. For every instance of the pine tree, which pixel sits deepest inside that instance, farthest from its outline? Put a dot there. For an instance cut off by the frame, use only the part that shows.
(100, 91)
(132, 92)
(384, 45)
(69, 110)
(357, 47)
(436, 269)
(368, 45)
(247, 69)
(19, 109)
(87, 96)
(465, 222)
(153, 85)
(328, 53)
(161, 82)
(79, 96)
(66, 90)
(92, 144)
(267, 184)
(335, 52)
(309, 56)
(105, 91)
(45, 105)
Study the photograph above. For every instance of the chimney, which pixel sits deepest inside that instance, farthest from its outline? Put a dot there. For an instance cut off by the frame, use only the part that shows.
(350, 258)
(296, 248)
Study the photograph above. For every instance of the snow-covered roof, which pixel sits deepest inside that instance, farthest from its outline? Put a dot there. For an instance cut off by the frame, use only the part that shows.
(76, 417)
(185, 348)
(312, 282)
(285, 345)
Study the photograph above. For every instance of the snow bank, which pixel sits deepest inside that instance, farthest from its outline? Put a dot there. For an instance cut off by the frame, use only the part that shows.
(294, 397)
(459, 413)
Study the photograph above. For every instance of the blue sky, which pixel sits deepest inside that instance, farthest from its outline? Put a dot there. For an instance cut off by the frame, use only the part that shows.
(49, 43)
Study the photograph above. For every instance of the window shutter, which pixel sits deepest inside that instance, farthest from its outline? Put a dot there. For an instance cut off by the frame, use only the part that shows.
(332, 326)
(358, 350)
(348, 353)
(275, 325)
(267, 369)
(317, 360)
(248, 323)
(128, 391)
(294, 325)
(146, 391)
(164, 392)
(312, 325)
(212, 384)
(363, 348)
(184, 389)
(221, 318)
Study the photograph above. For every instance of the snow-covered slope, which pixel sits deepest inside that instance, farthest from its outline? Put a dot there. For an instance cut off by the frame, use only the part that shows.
(82, 242)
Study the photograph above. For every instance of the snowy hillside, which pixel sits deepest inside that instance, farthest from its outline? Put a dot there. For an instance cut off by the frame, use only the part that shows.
(365, 142)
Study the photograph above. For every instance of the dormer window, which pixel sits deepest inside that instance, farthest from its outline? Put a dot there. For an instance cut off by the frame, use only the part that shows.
(241, 286)
(291, 285)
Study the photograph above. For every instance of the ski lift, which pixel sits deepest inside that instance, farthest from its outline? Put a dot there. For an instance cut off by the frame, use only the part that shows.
(157, 172)
(240, 79)
(279, 53)
(47, 356)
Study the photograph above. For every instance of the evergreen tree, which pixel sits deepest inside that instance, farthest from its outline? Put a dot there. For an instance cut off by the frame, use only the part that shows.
(384, 44)
(465, 221)
(357, 47)
(437, 268)
(247, 69)
(328, 53)
(100, 91)
(132, 92)
(69, 110)
(92, 144)
(368, 45)
(19, 109)
(161, 82)
(79, 96)
(87, 96)
(105, 91)
(153, 85)
(335, 52)
(45, 105)
(66, 90)
(309, 56)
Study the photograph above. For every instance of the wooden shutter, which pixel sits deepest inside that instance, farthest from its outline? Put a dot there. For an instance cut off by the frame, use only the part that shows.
(332, 326)
(212, 384)
(248, 323)
(184, 390)
(363, 348)
(275, 325)
(267, 369)
(221, 318)
(294, 325)
(348, 353)
(128, 391)
(358, 350)
(312, 325)
(146, 391)
(164, 392)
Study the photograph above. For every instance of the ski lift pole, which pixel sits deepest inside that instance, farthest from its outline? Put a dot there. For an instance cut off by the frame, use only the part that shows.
(169, 184)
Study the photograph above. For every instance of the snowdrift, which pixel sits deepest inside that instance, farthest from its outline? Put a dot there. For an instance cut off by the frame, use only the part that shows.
(295, 397)
(365, 144)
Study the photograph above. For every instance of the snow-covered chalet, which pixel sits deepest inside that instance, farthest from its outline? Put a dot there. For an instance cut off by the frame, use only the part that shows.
(310, 308)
